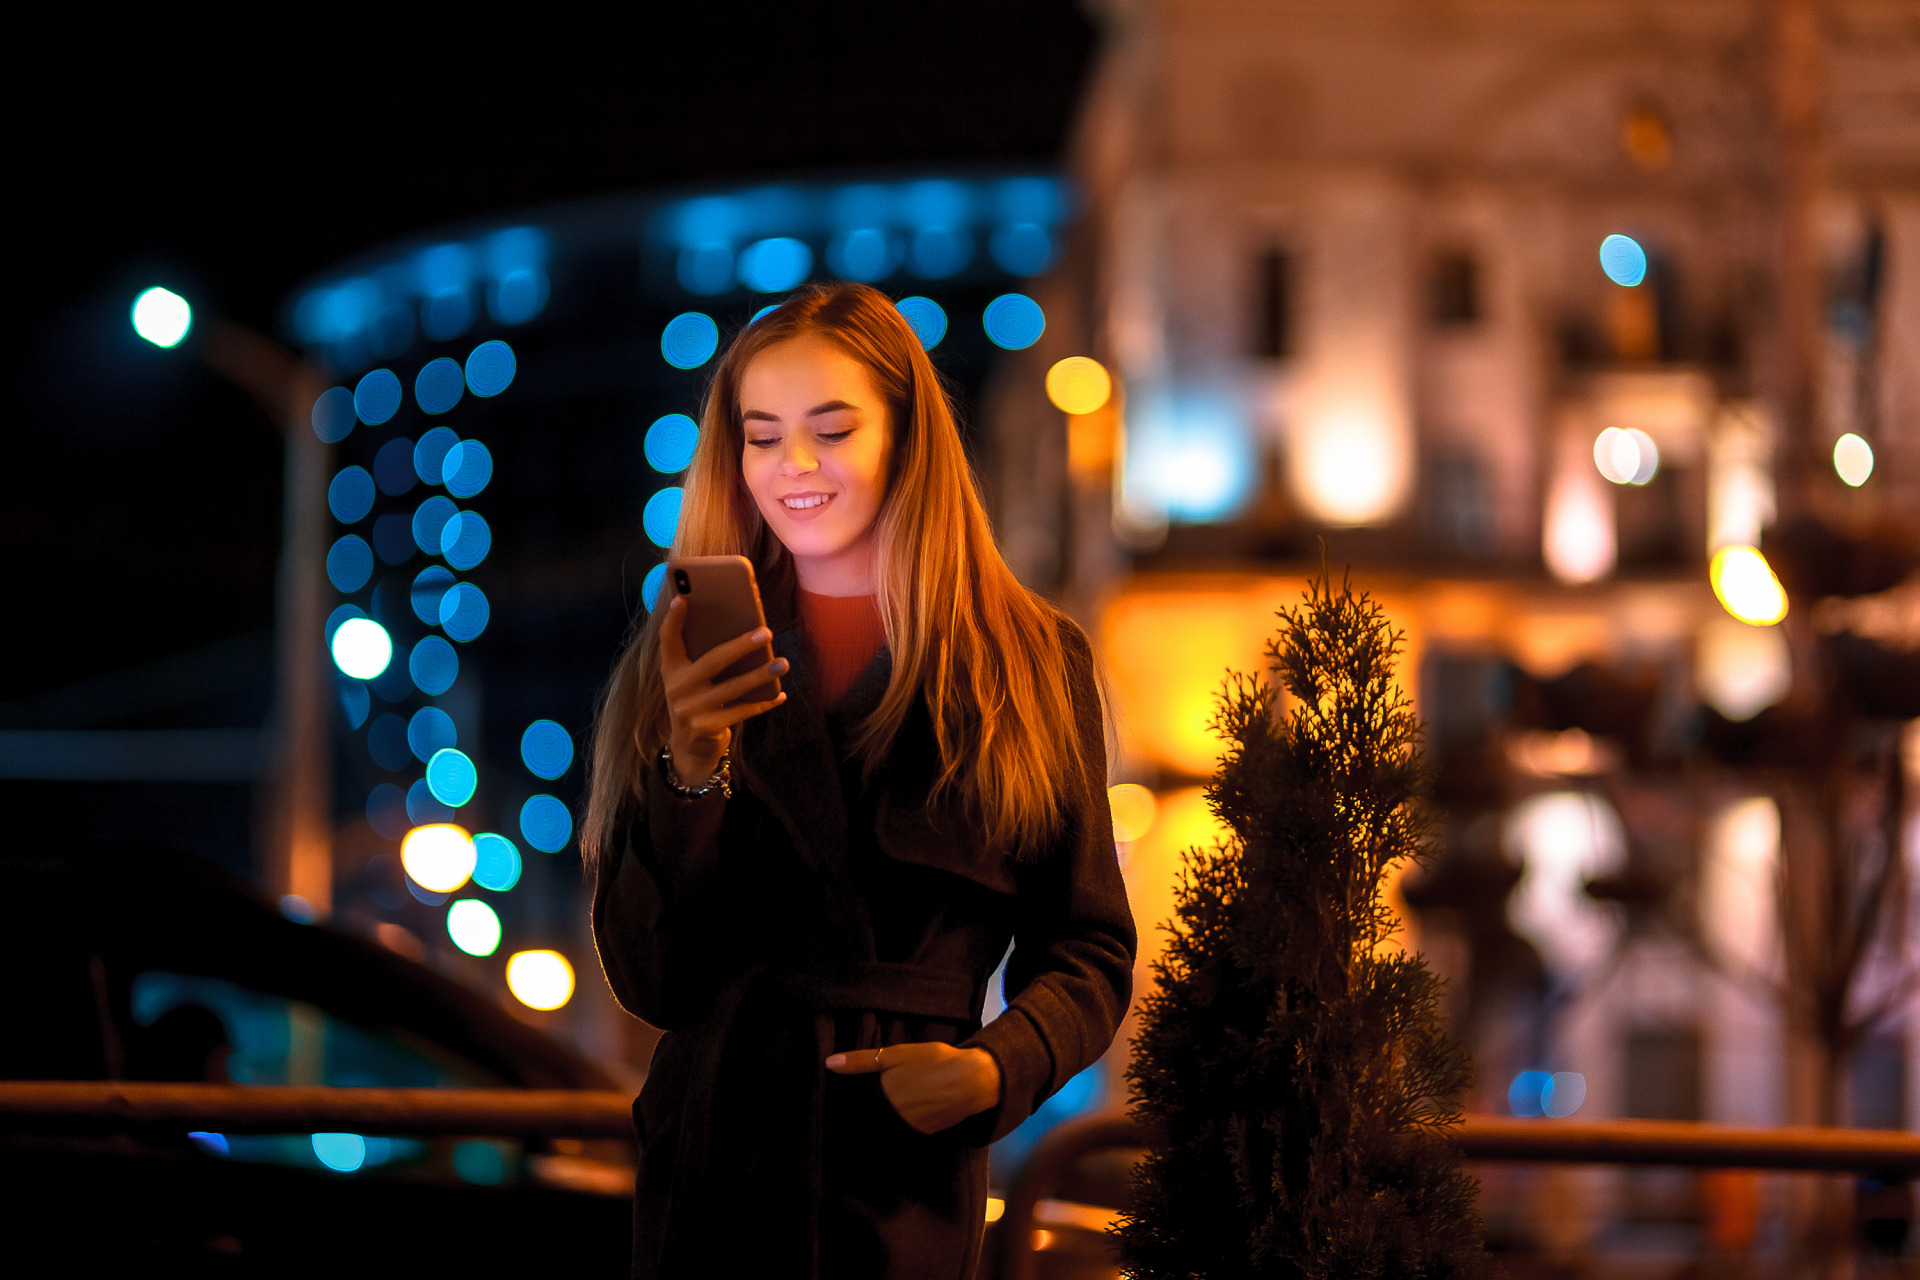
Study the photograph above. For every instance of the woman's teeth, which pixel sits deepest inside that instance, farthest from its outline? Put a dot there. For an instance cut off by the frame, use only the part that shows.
(802, 504)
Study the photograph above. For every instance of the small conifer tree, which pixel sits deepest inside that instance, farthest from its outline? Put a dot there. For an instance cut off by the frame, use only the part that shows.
(1299, 1073)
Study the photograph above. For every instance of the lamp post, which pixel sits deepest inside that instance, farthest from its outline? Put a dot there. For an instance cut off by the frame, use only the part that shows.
(297, 840)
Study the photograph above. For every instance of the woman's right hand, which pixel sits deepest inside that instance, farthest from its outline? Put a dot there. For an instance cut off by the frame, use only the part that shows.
(700, 723)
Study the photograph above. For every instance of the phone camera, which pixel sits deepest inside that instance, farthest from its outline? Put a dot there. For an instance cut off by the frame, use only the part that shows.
(680, 581)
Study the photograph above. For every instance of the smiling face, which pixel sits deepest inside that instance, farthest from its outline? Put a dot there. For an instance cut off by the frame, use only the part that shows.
(818, 437)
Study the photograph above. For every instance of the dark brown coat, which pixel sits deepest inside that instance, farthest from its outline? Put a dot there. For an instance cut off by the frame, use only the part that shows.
(811, 914)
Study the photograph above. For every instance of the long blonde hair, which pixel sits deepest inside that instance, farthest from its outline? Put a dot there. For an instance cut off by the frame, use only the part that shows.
(985, 653)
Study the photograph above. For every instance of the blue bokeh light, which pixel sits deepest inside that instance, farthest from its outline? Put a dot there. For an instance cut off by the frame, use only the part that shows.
(391, 330)
(350, 496)
(1031, 200)
(1526, 1096)
(376, 397)
(938, 253)
(464, 612)
(429, 519)
(465, 540)
(767, 310)
(434, 665)
(387, 805)
(707, 219)
(865, 253)
(1022, 248)
(466, 469)
(689, 340)
(705, 269)
(393, 467)
(1624, 261)
(430, 453)
(670, 442)
(775, 265)
(429, 588)
(439, 385)
(451, 777)
(518, 295)
(350, 563)
(490, 368)
(340, 614)
(423, 807)
(1014, 321)
(650, 585)
(387, 744)
(447, 314)
(480, 1162)
(496, 863)
(935, 202)
(341, 1152)
(662, 516)
(393, 538)
(355, 701)
(546, 823)
(546, 749)
(430, 730)
(1190, 456)
(333, 415)
(927, 317)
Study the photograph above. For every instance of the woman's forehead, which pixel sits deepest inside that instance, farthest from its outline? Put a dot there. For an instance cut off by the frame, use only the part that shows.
(792, 377)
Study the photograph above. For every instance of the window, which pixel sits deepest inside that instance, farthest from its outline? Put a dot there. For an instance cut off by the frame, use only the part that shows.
(1273, 335)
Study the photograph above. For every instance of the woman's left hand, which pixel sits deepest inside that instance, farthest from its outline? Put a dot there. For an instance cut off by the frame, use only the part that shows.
(933, 1086)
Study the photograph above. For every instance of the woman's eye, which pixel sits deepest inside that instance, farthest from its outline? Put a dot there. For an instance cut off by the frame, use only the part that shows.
(764, 442)
(836, 436)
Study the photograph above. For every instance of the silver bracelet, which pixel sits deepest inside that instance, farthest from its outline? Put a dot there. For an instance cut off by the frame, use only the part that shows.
(722, 776)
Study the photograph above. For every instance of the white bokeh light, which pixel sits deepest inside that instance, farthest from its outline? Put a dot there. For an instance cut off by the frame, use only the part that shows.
(1852, 459)
(540, 979)
(440, 856)
(362, 648)
(474, 927)
(162, 317)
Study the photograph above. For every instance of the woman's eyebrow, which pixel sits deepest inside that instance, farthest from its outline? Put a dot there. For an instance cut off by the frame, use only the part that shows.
(831, 406)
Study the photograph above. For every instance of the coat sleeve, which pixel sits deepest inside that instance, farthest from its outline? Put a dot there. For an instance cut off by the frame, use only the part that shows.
(1070, 978)
(655, 902)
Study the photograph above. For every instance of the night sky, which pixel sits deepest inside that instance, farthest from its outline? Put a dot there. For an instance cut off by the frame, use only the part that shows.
(139, 494)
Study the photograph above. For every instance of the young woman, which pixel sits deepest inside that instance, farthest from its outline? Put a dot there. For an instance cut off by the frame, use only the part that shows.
(810, 894)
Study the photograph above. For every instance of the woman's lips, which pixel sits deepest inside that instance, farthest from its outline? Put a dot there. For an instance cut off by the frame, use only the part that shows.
(805, 506)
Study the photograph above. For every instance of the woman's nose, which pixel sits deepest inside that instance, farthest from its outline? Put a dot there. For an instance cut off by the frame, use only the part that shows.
(798, 460)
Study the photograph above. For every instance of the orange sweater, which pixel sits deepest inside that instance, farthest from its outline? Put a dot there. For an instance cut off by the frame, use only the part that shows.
(846, 632)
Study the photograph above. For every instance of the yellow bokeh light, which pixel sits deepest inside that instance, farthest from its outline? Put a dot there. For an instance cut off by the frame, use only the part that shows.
(1133, 806)
(440, 856)
(995, 1208)
(1747, 587)
(1079, 384)
(540, 979)
(1853, 459)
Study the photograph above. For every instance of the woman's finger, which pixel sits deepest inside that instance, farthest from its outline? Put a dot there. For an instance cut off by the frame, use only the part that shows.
(711, 724)
(856, 1062)
(723, 655)
(699, 698)
(673, 647)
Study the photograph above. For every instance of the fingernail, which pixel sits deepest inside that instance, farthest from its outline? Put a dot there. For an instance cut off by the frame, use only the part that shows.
(763, 634)
(837, 1060)
(779, 664)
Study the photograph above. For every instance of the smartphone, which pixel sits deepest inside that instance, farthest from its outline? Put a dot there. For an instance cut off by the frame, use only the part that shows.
(722, 603)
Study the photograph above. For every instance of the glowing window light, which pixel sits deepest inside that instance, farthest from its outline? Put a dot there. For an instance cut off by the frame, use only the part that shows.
(162, 317)
(1746, 586)
(429, 588)
(1852, 459)
(387, 809)
(393, 467)
(430, 453)
(1014, 321)
(451, 777)
(1563, 839)
(775, 265)
(662, 516)
(1133, 807)
(650, 585)
(866, 254)
(1565, 1091)
(434, 665)
(438, 386)
(926, 318)
(1079, 384)
(1022, 248)
(518, 296)
(540, 979)
(1624, 261)
(490, 368)
(939, 252)
(474, 927)
(350, 495)
(349, 563)
(429, 518)
(1741, 669)
(496, 862)
(340, 1152)
(1626, 457)
(546, 823)
(438, 857)
(1578, 541)
(689, 340)
(376, 397)
(464, 612)
(705, 269)
(424, 809)
(362, 648)
(467, 468)
(430, 730)
(465, 540)
(333, 415)
(546, 749)
(354, 700)
(670, 442)
(1188, 457)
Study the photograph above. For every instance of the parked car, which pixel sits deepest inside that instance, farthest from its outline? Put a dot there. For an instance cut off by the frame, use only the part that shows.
(133, 964)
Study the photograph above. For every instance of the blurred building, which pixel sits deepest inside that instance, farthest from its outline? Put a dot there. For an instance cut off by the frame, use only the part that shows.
(1488, 296)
